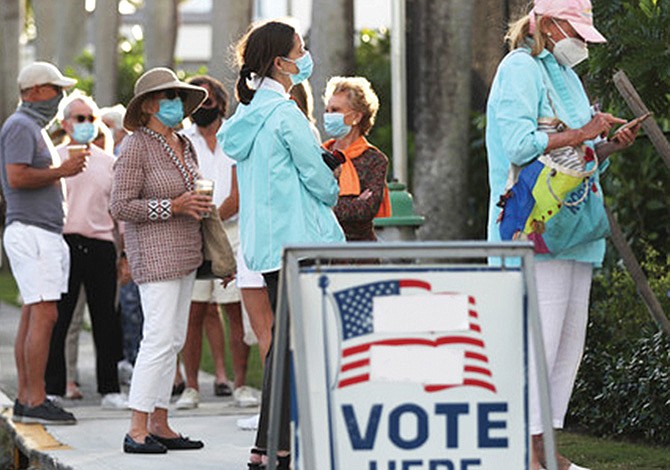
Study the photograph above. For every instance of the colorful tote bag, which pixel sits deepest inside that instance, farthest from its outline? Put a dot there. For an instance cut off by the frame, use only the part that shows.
(555, 201)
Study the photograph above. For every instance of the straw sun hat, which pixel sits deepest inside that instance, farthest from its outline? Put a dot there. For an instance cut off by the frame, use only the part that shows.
(158, 79)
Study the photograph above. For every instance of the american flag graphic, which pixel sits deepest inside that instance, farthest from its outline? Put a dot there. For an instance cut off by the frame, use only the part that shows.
(355, 308)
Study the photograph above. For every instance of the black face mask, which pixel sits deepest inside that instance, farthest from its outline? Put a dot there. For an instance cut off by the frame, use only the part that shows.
(203, 117)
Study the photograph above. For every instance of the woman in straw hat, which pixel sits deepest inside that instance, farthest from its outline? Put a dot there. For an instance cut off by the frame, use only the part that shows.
(153, 193)
(536, 80)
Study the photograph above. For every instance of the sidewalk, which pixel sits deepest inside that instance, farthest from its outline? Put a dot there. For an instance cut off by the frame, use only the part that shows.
(95, 443)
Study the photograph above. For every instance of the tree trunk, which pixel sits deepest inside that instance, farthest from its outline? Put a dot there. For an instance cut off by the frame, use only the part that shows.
(442, 52)
(491, 20)
(230, 19)
(160, 33)
(106, 25)
(46, 14)
(71, 27)
(332, 45)
(11, 20)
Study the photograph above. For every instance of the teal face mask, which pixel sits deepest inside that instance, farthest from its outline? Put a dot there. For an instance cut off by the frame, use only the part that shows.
(305, 66)
(333, 124)
(171, 112)
(84, 132)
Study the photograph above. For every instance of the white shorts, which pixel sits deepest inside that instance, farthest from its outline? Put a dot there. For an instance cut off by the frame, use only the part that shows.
(40, 262)
(246, 278)
(212, 290)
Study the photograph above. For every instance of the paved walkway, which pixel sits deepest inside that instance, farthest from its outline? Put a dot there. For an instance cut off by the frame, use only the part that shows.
(95, 443)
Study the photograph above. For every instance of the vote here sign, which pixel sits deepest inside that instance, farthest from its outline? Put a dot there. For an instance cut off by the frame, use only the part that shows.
(417, 370)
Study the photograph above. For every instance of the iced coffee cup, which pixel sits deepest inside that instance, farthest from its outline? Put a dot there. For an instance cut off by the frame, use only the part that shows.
(204, 187)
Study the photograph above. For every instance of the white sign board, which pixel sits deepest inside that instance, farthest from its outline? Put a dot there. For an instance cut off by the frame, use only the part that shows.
(419, 369)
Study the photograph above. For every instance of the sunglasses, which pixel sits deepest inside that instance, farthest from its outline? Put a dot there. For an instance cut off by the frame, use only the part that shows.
(83, 117)
(172, 94)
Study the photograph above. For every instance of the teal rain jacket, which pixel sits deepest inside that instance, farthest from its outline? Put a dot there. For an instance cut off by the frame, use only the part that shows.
(286, 190)
(518, 97)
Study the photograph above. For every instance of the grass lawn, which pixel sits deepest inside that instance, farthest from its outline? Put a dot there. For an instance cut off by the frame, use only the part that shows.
(8, 289)
(608, 454)
(254, 368)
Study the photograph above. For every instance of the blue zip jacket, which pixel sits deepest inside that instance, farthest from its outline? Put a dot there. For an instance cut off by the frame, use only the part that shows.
(286, 190)
(518, 97)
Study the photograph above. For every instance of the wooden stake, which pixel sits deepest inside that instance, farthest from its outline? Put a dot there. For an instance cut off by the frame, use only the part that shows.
(635, 270)
(635, 103)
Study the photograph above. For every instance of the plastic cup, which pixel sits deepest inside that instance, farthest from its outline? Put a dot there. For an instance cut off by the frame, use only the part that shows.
(204, 187)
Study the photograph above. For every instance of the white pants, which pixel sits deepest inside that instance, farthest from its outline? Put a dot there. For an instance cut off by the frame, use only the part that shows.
(563, 289)
(166, 309)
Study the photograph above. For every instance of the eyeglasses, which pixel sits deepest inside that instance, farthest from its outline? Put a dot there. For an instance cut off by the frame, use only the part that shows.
(83, 117)
(172, 94)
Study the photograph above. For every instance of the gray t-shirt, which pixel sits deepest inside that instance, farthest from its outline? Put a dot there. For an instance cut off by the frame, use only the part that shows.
(23, 141)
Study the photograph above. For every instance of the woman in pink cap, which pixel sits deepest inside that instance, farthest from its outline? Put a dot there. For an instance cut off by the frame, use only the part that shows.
(536, 80)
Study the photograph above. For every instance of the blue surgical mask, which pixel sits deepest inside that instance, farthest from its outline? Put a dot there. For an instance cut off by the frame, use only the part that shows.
(171, 112)
(84, 132)
(305, 66)
(334, 125)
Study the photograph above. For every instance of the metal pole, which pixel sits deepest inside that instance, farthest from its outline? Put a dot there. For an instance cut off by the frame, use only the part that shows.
(398, 90)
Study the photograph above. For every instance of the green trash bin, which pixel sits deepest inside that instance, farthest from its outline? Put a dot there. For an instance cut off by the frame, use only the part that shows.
(402, 224)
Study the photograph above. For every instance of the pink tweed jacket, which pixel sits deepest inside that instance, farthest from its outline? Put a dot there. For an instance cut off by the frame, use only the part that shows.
(159, 245)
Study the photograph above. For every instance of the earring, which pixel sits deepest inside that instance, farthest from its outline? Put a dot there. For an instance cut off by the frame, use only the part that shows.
(548, 34)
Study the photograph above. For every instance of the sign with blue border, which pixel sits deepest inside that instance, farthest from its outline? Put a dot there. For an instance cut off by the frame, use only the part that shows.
(411, 369)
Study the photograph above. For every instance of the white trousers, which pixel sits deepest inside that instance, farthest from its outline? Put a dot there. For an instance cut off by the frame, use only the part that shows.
(563, 289)
(166, 309)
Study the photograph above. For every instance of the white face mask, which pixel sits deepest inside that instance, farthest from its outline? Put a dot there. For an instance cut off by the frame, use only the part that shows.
(569, 51)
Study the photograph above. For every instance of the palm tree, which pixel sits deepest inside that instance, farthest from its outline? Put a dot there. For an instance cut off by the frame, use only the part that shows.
(441, 55)
(331, 40)
(160, 32)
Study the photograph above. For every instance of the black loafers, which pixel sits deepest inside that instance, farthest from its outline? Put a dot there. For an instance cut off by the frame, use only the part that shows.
(150, 446)
(178, 443)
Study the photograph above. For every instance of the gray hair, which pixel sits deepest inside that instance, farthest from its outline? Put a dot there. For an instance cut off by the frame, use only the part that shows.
(77, 95)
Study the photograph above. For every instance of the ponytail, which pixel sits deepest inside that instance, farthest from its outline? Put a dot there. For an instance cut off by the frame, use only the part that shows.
(256, 52)
(243, 92)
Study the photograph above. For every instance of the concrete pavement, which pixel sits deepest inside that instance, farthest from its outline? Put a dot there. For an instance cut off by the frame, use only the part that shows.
(95, 443)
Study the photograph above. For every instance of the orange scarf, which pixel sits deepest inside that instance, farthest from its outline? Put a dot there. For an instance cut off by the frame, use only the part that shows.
(350, 185)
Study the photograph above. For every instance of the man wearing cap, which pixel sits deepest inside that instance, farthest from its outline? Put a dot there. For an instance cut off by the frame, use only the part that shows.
(536, 80)
(31, 176)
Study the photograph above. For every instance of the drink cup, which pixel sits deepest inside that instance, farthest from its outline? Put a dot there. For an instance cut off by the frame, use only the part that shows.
(204, 187)
(76, 150)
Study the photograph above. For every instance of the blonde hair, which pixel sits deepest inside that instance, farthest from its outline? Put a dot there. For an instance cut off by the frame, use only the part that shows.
(362, 98)
(519, 32)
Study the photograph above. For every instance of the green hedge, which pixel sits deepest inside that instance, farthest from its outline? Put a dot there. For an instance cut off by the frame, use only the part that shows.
(623, 386)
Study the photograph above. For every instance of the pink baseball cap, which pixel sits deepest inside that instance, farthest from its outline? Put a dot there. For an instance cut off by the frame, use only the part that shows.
(577, 12)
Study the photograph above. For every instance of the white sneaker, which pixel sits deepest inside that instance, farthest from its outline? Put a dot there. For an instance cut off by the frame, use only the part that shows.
(249, 424)
(246, 397)
(114, 401)
(189, 399)
(125, 370)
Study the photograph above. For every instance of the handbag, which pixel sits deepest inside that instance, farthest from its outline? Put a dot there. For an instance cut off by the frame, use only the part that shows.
(218, 257)
(554, 201)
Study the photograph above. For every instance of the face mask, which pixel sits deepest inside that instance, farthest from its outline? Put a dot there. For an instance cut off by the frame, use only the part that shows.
(305, 66)
(43, 111)
(84, 132)
(333, 124)
(569, 51)
(203, 117)
(171, 112)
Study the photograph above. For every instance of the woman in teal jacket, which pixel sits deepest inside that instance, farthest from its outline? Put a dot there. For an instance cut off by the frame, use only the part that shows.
(533, 80)
(286, 190)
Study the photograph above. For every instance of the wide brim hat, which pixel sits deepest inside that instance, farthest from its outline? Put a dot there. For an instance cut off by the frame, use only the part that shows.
(159, 79)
